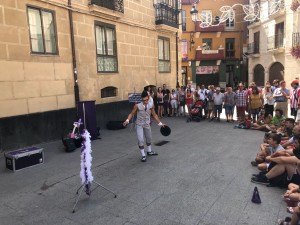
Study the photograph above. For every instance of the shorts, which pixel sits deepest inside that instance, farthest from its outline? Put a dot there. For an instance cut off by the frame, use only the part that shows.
(229, 109)
(174, 104)
(218, 108)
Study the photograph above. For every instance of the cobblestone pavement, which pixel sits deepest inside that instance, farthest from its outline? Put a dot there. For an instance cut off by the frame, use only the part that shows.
(201, 176)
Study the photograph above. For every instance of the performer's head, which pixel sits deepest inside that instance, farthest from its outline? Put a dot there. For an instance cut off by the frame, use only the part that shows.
(145, 97)
(144, 94)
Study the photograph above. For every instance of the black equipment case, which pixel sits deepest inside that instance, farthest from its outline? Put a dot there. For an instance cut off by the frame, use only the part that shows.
(22, 158)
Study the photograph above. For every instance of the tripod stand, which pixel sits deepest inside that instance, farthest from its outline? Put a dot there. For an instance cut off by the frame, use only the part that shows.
(86, 173)
(89, 192)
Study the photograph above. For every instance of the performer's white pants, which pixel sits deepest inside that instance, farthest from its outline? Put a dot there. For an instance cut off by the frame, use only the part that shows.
(141, 132)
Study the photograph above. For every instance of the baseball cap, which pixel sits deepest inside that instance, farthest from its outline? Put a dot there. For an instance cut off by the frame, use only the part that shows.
(218, 88)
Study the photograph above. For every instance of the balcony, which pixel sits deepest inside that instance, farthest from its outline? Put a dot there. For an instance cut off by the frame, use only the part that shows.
(254, 23)
(214, 28)
(115, 5)
(209, 54)
(276, 43)
(296, 39)
(166, 15)
(253, 49)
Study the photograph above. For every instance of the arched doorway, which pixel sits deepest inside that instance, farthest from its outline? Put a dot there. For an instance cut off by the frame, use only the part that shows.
(276, 72)
(259, 75)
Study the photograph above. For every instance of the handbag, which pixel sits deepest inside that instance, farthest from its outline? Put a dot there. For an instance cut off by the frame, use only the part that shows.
(255, 196)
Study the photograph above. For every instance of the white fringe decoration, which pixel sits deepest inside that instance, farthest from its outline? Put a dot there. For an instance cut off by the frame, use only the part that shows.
(86, 159)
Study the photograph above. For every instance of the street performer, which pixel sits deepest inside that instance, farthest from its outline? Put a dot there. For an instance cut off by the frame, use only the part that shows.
(144, 110)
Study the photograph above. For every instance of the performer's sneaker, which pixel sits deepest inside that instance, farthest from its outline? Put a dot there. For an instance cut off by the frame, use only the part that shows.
(152, 153)
(143, 159)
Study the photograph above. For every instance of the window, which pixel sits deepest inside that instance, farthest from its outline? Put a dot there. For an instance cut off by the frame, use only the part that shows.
(206, 16)
(229, 24)
(108, 92)
(206, 43)
(183, 20)
(42, 31)
(279, 35)
(106, 48)
(164, 54)
(256, 41)
(230, 47)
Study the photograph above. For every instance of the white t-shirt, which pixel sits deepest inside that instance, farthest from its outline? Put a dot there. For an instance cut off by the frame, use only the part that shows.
(276, 149)
(218, 98)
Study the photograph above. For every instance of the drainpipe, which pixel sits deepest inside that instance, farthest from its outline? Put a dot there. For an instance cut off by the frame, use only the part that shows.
(177, 83)
(76, 87)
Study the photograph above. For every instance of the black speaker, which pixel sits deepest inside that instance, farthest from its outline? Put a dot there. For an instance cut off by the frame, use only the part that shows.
(69, 144)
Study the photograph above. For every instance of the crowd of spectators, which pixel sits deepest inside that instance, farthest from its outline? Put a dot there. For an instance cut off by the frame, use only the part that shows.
(264, 109)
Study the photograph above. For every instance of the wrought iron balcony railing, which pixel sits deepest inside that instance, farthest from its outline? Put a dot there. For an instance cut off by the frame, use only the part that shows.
(166, 14)
(275, 42)
(253, 48)
(116, 5)
(296, 39)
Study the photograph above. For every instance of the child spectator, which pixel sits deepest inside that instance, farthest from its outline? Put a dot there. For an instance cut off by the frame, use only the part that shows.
(246, 124)
(274, 146)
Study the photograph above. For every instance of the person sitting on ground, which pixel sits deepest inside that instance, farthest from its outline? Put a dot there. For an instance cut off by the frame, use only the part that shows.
(261, 155)
(286, 129)
(292, 195)
(273, 146)
(290, 143)
(283, 164)
(276, 121)
(262, 122)
(246, 124)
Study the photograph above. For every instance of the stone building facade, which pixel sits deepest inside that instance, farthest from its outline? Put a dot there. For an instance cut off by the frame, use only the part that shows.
(271, 38)
(214, 54)
(119, 48)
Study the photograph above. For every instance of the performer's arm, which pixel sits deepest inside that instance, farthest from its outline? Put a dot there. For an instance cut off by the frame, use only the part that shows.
(133, 112)
(156, 117)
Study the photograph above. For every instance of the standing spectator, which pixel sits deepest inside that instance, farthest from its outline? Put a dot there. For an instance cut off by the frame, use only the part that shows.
(174, 100)
(164, 89)
(255, 103)
(218, 98)
(160, 102)
(182, 101)
(241, 102)
(281, 96)
(268, 100)
(189, 100)
(210, 103)
(167, 98)
(275, 85)
(229, 103)
(177, 91)
(295, 98)
(202, 92)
